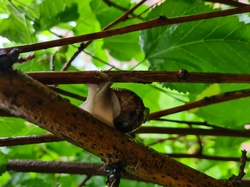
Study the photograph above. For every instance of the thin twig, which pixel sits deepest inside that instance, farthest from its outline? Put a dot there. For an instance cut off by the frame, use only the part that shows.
(110, 3)
(22, 140)
(191, 122)
(194, 131)
(229, 2)
(88, 169)
(226, 96)
(102, 61)
(84, 45)
(79, 50)
(175, 138)
(127, 29)
(202, 156)
(243, 160)
(33, 139)
(79, 168)
(85, 180)
(236, 180)
(67, 93)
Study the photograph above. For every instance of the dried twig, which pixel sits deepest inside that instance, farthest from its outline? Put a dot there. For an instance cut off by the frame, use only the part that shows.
(236, 180)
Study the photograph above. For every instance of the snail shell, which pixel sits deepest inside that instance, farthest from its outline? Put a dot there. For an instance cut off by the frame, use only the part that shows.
(117, 107)
(132, 111)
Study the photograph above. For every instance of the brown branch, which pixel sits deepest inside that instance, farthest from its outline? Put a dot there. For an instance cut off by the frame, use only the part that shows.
(162, 21)
(88, 169)
(195, 131)
(110, 3)
(136, 76)
(197, 123)
(57, 90)
(229, 2)
(66, 93)
(227, 96)
(243, 161)
(68, 167)
(22, 140)
(124, 16)
(79, 50)
(24, 97)
(236, 180)
(55, 167)
(84, 45)
(202, 156)
(85, 180)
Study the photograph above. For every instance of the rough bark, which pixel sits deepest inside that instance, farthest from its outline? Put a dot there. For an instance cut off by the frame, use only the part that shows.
(24, 97)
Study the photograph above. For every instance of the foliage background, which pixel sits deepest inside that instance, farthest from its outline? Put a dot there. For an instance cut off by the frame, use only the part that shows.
(213, 45)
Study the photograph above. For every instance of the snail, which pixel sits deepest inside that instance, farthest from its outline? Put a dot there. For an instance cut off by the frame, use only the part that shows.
(117, 107)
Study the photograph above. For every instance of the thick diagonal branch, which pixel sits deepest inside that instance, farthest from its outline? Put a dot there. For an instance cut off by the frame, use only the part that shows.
(24, 97)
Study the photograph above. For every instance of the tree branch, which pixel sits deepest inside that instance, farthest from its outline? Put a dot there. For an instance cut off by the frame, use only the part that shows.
(69, 167)
(24, 97)
(22, 140)
(55, 167)
(202, 156)
(137, 76)
(162, 21)
(84, 45)
(228, 2)
(195, 131)
(110, 3)
(227, 96)
(61, 167)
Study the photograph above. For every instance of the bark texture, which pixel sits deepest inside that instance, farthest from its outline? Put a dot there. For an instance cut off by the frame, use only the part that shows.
(27, 98)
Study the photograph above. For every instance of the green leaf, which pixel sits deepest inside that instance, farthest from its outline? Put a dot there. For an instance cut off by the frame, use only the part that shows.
(107, 14)
(24, 180)
(3, 163)
(27, 7)
(123, 47)
(9, 126)
(59, 58)
(41, 62)
(87, 22)
(232, 114)
(3, 8)
(16, 27)
(51, 13)
(69, 180)
(69, 149)
(211, 90)
(213, 45)
(130, 47)
(35, 182)
(125, 183)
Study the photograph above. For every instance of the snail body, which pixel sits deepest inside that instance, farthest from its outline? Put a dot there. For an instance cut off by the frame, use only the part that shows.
(117, 107)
